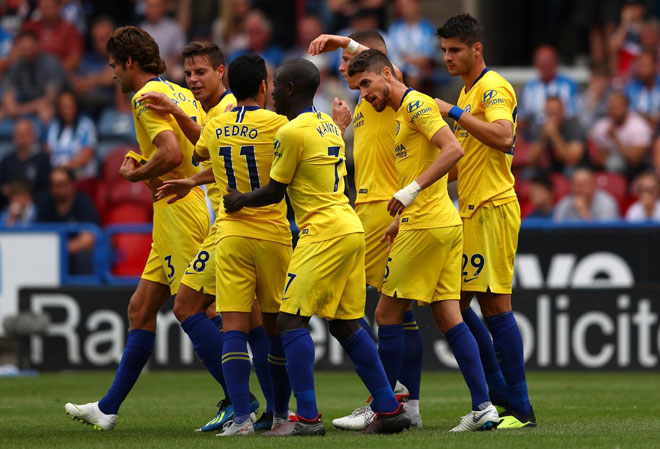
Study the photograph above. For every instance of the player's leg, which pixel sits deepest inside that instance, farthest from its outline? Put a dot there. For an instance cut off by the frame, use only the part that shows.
(258, 342)
(142, 310)
(411, 366)
(508, 343)
(236, 368)
(272, 260)
(389, 316)
(497, 389)
(447, 316)
(190, 309)
(214, 316)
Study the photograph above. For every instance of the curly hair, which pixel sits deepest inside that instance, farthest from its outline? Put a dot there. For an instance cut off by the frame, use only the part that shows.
(135, 43)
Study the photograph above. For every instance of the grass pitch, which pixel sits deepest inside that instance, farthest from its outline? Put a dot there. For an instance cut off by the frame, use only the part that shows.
(574, 410)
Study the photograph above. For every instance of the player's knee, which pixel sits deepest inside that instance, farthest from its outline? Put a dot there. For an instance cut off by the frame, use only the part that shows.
(139, 317)
(181, 311)
(287, 322)
(343, 329)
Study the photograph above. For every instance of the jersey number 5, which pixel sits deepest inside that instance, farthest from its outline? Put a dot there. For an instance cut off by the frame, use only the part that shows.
(248, 152)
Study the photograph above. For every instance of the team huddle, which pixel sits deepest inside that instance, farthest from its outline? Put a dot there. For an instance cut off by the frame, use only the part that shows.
(405, 236)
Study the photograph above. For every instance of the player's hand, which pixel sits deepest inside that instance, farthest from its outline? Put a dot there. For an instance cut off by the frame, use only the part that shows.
(327, 42)
(390, 234)
(395, 207)
(159, 102)
(232, 200)
(128, 168)
(229, 107)
(176, 188)
(443, 106)
(341, 114)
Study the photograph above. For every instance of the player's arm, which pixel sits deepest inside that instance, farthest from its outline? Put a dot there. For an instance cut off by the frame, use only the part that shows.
(271, 193)
(179, 188)
(450, 152)
(162, 104)
(497, 134)
(167, 158)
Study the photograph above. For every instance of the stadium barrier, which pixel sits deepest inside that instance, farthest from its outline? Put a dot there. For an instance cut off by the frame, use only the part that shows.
(586, 297)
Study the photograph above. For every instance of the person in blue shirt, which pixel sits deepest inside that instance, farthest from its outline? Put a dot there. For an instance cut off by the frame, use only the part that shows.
(643, 91)
(71, 138)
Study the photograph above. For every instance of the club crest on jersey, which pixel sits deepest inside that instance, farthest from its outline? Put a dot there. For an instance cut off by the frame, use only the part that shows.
(467, 109)
(414, 105)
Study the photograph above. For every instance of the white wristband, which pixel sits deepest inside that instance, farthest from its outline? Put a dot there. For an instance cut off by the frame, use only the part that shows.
(352, 46)
(408, 194)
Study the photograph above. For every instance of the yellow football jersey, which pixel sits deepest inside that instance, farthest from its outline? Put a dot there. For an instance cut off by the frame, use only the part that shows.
(310, 158)
(148, 124)
(417, 121)
(240, 144)
(227, 98)
(373, 153)
(484, 174)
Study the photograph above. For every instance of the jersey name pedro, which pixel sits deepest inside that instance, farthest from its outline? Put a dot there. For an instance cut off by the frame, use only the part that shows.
(484, 173)
(240, 145)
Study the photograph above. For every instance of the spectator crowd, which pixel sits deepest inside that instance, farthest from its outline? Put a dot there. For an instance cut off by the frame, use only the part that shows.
(587, 152)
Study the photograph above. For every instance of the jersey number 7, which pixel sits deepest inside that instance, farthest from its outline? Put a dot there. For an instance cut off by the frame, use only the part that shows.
(334, 151)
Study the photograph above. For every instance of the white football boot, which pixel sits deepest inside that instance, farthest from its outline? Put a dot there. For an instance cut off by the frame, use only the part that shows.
(486, 419)
(91, 414)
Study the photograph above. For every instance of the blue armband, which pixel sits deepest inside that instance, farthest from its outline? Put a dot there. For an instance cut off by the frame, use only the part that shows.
(455, 112)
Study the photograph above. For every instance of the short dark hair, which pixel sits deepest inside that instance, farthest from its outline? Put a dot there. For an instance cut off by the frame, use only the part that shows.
(203, 48)
(71, 176)
(135, 43)
(302, 73)
(371, 39)
(543, 181)
(463, 26)
(245, 76)
(372, 60)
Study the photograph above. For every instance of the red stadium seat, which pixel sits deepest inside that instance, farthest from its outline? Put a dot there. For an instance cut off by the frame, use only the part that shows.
(123, 191)
(113, 162)
(131, 253)
(127, 213)
(521, 154)
(562, 186)
(615, 184)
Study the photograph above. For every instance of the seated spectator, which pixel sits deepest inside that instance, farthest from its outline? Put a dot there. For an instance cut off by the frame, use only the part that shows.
(259, 31)
(66, 205)
(32, 81)
(26, 163)
(586, 202)
(21, 210)
(558, 144)
(541, 197)
(229, 29)
(643, 91)
(168, 35)
(548, 84)
(56, 35)
(647, 207)
(412, 42)
(94, 82)
(71, 138)
(622, 139)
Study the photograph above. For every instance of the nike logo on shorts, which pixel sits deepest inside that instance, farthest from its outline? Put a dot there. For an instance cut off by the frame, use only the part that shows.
(471, 279)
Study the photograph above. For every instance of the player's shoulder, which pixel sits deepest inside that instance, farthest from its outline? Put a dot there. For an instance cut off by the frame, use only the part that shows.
(415, 103)
(492, 79)
(493, 85)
